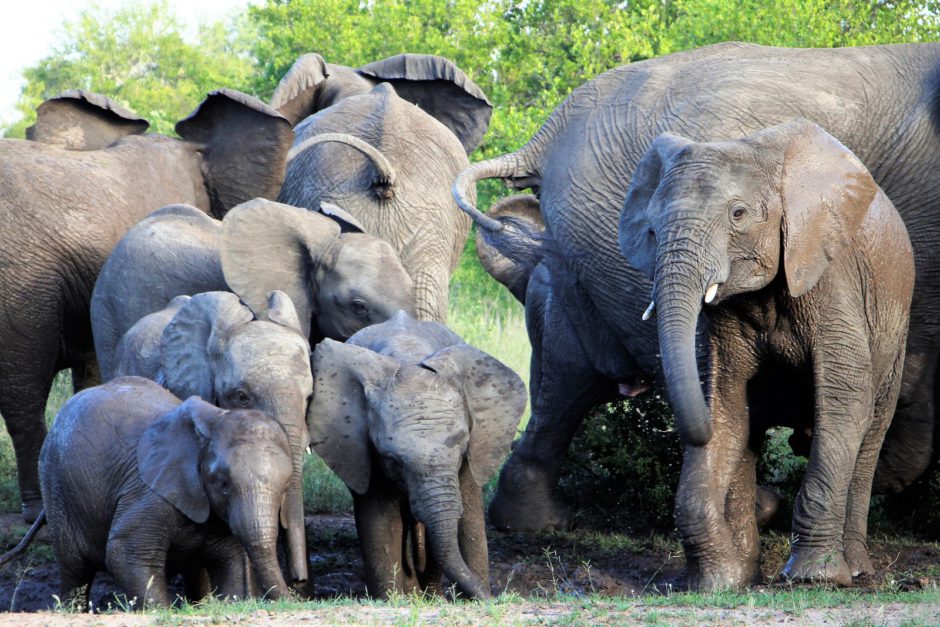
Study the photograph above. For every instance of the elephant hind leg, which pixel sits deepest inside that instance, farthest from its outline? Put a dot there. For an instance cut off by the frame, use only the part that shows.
(75, 578)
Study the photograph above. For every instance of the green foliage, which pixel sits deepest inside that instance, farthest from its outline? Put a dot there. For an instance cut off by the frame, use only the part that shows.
(138, 56)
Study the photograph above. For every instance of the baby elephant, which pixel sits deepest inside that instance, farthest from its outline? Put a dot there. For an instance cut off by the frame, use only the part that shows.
(805, 272)
(415, 421)
(144, 485)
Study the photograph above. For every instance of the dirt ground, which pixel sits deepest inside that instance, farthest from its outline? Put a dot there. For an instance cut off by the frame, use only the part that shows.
(582, 563)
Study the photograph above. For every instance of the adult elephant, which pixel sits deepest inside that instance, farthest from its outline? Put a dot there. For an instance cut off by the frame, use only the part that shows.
(363, 145)
(589, 341)
(66, 198)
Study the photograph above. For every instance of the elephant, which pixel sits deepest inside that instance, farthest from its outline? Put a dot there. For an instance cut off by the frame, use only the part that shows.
(361, 144)
(144, 485)
(589, 342)
(804, 272)
(415, 422)
(66, 198)
(338, 281)
(213, 346)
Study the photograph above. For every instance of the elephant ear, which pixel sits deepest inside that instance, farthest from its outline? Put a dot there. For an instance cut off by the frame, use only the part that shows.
(296, 94)
(343, 377)
(347, 222)
(168, 456)
(495, 397)
(244, 144)
(636, 238)
(83, 120)
(513, 270)
(191, 338)
(441, 89)
(826, 192)
(269, 246)
(139, 352)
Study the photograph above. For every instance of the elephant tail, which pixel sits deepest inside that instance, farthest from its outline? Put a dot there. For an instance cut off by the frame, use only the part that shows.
(384, 183)
(20, 548)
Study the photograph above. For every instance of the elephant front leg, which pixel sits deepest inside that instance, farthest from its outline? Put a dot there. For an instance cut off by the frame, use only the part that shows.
(715, 512)
(842, 377)
(381, 537)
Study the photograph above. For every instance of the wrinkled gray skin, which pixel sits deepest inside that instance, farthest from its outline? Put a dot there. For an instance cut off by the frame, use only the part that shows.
(68, 196)
(387, 163)
(415, 422)
(213, 346)
(143, 485)
(586, 330)
(806, 273)
(338, 282)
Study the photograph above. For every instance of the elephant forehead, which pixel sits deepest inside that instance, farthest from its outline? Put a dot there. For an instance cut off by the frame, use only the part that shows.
(418, 394)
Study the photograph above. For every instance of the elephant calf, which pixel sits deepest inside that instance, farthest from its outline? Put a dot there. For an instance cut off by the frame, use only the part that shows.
(144, 485)
(415, 421)
(806, 273)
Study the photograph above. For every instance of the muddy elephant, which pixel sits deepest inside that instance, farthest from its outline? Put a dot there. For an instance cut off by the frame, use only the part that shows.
(803, 270)
(68, 196)
(590, 341)
(363, 145)
(415, 422)
(176, 487)
(213, 346)
(338, 282)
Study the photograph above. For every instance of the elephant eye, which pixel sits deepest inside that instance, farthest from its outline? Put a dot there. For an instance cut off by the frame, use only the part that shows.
(359, 308)
(241, 398)
(223, 486)
(738, 212)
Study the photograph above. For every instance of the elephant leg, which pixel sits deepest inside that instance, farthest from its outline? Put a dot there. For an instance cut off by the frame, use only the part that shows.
(715, 512)
(144, 581)
(564, 387)
(230, 572)
(86, 375)
(75, 578)
(472, 530)
(843, 386)
(196, 583)
(381, 537)
(908, 445)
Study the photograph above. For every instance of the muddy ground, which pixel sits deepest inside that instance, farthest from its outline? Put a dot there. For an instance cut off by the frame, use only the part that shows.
(578, 562)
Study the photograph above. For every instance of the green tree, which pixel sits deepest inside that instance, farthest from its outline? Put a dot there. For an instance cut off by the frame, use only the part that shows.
(138, 56)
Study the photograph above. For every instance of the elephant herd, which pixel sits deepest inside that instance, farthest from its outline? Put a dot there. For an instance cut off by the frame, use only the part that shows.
(276, 281)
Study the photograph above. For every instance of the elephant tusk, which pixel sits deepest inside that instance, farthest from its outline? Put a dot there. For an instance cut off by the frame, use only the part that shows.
(710, 293)
(308, 450)
(650, 311)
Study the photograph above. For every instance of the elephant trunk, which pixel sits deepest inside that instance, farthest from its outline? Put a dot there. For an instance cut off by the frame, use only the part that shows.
(387, 177)
(438, 505)
(678, 303)
(293, 514)
(256, 525)
(504, 166)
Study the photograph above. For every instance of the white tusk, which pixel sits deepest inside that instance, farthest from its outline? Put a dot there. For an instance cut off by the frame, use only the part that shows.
(308, 450)
(710, 293)
(649, 310)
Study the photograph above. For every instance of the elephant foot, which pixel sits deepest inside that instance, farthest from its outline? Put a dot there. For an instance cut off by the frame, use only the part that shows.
(719, 577)
(858, 559)
(818, 565)
(767, 505)
(31, 509)
(525, 501)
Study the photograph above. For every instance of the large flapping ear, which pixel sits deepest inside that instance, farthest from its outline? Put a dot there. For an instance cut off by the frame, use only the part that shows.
(637, 241)
(245, 144)
(82, 120)
(168, 457)
(296, 94)
(495, 397)
(513, 270)
(826, 192)
(343, 375)
(441, 89)
(191, 337)
(270, 246)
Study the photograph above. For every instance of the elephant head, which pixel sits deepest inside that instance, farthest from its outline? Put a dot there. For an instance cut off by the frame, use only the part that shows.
(216, 348)
(339, 282)
(236, 464)
(708, 221)
(423, 421)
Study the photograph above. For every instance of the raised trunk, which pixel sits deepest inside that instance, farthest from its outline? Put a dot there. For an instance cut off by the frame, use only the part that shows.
(438, 506)
(678, 300)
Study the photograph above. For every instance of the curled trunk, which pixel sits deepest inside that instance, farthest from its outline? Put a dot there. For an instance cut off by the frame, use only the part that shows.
(678, 303)
(504, 166)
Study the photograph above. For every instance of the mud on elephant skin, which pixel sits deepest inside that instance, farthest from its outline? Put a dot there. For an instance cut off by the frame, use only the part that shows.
(589, 330)
(363, 145)
(177, 487)
(806, 274)
(415, 422)
(339, 282)
(213, 346)
(67, 197)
